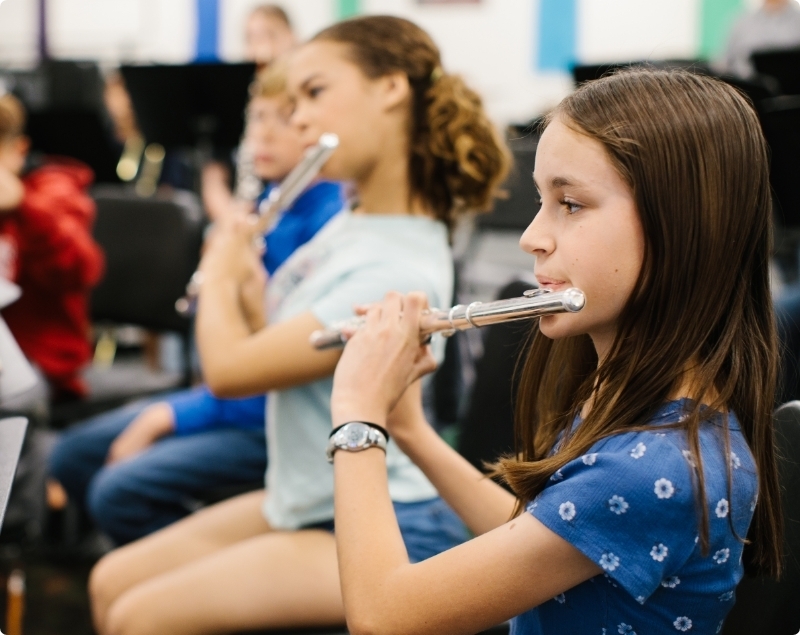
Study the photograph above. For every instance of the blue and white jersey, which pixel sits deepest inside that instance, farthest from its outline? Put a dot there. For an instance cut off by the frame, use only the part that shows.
(630, 505)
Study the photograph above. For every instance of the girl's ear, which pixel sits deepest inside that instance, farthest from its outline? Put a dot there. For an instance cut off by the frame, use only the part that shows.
(394, 89)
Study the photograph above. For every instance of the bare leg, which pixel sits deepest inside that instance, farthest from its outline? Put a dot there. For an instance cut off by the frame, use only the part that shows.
(275, 580)
(199, 535)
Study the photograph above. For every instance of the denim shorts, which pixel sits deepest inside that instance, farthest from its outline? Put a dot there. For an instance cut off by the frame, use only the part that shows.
(428, 527)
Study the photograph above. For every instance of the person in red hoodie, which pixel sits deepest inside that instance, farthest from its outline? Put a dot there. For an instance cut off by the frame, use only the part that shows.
(46, 247)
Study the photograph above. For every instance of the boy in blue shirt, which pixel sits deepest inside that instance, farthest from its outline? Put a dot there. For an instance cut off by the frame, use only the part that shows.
(138, 468)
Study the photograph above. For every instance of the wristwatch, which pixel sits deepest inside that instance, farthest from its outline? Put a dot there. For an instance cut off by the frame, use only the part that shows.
(355, 437)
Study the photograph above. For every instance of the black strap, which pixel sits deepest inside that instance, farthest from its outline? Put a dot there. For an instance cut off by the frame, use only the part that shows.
(380, 429)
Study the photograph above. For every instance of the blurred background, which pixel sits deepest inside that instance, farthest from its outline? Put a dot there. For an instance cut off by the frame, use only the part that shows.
(148, 93)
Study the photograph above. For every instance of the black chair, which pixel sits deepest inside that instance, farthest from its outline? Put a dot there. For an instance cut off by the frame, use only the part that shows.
(765, 606)
(487, 431)
(517, 209)
(152, 247)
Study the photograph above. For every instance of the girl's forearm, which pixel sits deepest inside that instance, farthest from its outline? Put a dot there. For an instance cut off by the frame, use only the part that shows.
(368, 540)
(220, 326)
(480, 502)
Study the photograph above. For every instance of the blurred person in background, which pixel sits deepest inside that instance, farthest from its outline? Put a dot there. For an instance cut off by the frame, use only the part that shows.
(46, 247)
(268, 34)
(135, 468)
(775, 25)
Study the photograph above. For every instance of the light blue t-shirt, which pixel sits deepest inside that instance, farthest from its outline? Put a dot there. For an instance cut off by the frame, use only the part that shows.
(629, 505)
(354, 259)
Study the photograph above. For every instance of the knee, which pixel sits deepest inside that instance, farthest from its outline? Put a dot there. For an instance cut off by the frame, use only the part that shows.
(105, 502)
(129, 616)
(63, 458)
(106, 584)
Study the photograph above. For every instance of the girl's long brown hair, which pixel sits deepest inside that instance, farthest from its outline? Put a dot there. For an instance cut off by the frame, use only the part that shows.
(692, 151)
(457, 158)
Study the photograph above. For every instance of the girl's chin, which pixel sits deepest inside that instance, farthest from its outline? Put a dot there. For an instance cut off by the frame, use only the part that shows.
(559, 326)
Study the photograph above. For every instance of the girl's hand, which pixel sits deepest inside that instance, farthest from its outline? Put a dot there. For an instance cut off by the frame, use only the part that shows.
(230, 249)
(381, 360)
(154, 422)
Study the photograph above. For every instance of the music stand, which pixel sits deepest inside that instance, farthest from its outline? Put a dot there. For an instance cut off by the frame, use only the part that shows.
(783, 65)
(192, 105)
(12, 434)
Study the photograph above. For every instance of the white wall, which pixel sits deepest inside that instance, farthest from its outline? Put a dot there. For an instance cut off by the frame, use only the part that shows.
(492, 43)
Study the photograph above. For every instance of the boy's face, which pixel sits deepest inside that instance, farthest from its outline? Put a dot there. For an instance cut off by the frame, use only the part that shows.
(13, 153)
(275, 143)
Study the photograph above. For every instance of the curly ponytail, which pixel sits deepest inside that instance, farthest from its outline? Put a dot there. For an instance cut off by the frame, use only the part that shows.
(457, 157)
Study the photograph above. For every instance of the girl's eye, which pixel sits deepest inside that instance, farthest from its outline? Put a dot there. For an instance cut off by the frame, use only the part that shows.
(315, 91)
(572, 206)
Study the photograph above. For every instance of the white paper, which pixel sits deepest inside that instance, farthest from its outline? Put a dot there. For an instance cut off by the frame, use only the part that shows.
(16, 374)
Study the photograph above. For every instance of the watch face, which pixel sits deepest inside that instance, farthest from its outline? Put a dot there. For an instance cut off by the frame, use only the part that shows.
(355, 436)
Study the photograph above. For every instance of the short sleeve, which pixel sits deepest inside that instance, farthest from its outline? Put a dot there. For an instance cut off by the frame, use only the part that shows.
(628, 506)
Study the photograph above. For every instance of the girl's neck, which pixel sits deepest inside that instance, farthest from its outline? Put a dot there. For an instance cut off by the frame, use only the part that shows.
(386, 189)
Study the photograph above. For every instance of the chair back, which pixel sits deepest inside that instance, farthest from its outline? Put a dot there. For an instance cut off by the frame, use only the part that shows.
(764, 605)
(152, 247)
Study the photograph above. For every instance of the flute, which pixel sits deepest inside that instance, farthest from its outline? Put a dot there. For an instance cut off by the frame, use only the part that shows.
(279, 199)
(532, 304)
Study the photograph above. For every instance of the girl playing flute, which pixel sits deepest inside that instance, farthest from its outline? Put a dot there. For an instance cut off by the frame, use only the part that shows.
(420, 150)
(645, 437)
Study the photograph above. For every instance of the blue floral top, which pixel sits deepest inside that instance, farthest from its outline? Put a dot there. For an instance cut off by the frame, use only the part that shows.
(629, 505)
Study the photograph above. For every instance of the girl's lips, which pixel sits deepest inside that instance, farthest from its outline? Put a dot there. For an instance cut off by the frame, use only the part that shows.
(550, 283)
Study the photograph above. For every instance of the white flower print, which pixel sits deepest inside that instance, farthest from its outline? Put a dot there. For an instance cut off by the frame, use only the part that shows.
(664, 488)
(609, 561)
(618, 505)
(722, 508)
(682, 623)
(721, 557)
(753, 505)
(589, 459)
(659, 552)
(640, 599)
(625, 629)
(557, 476)
(671, 583)
(566, 510)
(689, 458)
(736, 462)
(560, 598)
(726, 597)
(638, 451)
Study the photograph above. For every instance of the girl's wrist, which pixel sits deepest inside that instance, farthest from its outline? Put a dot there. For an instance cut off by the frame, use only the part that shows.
(357, 411)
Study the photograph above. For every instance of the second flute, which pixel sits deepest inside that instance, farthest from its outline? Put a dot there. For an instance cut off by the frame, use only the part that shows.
(534, 303)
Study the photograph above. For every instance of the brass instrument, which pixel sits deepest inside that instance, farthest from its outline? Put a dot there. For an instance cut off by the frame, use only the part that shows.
(534, 303)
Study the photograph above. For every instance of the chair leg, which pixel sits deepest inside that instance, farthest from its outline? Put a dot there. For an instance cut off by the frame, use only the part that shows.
(15, 606)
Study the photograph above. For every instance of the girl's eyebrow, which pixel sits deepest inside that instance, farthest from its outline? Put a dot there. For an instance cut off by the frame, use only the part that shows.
(557, 182)
(308, 80)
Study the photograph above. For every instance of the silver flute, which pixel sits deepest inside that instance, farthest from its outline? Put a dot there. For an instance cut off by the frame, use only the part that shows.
(279, 199)
(532, 304)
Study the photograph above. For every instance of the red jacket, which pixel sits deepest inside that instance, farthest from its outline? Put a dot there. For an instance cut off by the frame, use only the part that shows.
(46, 247)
